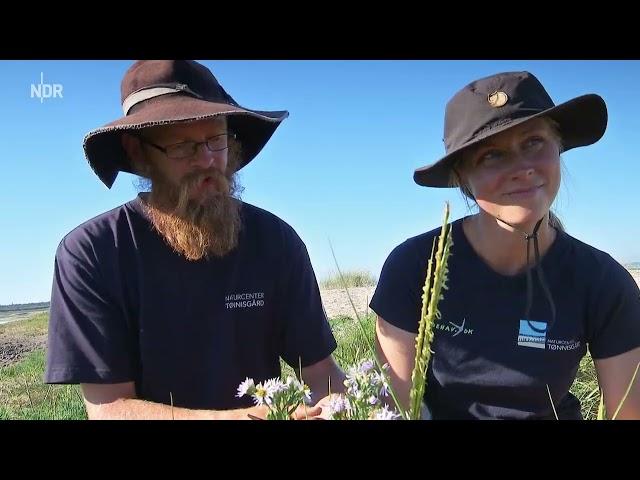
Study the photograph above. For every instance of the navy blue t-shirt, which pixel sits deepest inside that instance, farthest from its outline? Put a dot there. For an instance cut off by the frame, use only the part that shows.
(488, 361)
(126, 307)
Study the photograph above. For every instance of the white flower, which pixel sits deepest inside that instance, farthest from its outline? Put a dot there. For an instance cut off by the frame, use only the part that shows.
(246, 387)
(261, 395)
(355, 391)
(353, 373)
(292, 381)
(274, 385)
(386, 414)
(306, 391)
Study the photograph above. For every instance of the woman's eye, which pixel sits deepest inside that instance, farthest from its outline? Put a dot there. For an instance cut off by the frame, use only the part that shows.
(489, 157)
(533, 142)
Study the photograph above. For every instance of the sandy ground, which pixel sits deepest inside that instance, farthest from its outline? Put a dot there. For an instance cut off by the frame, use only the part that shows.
(336, 302)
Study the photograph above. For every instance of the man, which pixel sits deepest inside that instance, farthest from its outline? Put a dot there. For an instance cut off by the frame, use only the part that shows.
(161, 307)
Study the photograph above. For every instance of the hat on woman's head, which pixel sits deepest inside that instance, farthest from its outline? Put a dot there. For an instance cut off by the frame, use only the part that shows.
(494, 104)
(164, 92)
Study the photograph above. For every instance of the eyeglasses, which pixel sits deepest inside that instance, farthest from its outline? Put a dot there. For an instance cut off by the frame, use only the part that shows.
(184, 150)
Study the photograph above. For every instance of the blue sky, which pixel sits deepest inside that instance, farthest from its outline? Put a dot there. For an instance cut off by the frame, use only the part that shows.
(339, 168)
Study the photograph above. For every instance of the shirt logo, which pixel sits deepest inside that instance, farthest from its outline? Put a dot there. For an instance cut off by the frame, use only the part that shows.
(532, 334)
(563, 345)
(244, 300)
(454, 329)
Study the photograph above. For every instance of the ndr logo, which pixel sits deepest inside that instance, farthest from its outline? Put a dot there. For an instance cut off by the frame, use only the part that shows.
(45, 90)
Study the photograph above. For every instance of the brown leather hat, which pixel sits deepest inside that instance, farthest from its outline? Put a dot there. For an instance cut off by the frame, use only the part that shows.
(161, 92)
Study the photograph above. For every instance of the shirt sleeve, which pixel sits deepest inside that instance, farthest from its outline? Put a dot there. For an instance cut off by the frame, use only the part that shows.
(398, 295)
(614, 313)
(88, 339)
(306, 335)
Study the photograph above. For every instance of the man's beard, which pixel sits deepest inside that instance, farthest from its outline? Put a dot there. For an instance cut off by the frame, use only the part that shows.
(201, 227)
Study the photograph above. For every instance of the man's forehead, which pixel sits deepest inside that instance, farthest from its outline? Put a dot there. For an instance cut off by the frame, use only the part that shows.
(178, 130)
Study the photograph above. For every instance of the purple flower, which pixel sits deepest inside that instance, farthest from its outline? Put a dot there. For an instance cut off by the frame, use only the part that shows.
(379, 381)
(339, 404)
(365, 366)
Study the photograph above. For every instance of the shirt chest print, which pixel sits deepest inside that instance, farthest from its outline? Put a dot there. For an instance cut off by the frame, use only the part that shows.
(534, 335)
(455, 329)
(243, 300)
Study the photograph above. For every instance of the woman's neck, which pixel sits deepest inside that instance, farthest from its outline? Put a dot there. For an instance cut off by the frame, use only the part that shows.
(502, 247)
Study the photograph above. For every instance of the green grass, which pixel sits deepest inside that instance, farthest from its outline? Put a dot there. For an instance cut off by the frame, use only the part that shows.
(23, 395)
(352, 343)
(352, 279)
(33, 326)
(585, 388)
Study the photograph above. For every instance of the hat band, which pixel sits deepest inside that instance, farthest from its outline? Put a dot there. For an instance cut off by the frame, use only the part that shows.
(151, 92)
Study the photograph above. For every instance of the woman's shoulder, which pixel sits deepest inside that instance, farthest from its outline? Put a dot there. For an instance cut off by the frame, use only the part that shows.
(597, 264)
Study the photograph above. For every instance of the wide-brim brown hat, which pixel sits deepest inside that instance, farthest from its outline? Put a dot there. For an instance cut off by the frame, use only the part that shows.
(497, 103)
(162, 92)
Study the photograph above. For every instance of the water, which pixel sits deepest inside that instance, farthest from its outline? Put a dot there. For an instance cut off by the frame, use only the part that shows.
(8, 317)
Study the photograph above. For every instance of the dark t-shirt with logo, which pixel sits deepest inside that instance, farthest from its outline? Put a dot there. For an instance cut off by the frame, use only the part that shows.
(126, 307)
(488, 361)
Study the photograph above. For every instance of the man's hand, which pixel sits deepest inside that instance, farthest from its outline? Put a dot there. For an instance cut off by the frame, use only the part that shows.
(320, 410)
(303, 412)
(307, 412)
(253, 413)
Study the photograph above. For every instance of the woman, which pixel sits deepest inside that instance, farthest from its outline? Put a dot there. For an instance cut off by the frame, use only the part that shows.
(525, 299)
